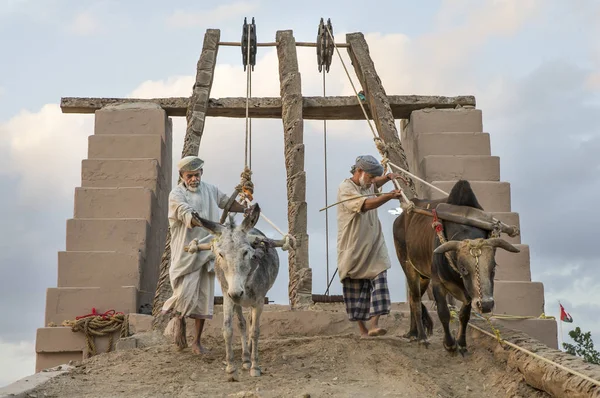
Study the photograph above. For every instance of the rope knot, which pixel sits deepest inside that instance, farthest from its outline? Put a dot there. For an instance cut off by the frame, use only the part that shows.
(407, 207)
(246, 186)
(290, 242)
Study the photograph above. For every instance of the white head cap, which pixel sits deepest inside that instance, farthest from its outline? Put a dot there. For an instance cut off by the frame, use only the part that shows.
(190, 163)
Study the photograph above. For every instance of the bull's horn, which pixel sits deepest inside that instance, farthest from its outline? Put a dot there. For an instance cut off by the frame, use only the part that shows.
(448, 246)
(501, 243)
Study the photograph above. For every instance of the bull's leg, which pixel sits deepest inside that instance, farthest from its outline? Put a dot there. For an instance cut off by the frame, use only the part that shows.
(444, 313)
(242, 324)
(463, 316)
(425, 317)
(228, 310)
(254, 335)
(416, 309)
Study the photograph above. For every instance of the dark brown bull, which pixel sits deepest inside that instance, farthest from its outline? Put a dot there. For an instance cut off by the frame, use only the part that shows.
(469, 277)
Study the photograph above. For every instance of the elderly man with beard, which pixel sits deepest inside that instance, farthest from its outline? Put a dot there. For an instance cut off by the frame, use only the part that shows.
(363, 258)
(192, 275)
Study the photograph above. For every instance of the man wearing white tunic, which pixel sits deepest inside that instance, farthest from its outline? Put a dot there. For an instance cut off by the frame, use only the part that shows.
(363, 258)
(192, 274)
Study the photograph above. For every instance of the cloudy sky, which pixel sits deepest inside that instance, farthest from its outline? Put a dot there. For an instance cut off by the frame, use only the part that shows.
(533, 65)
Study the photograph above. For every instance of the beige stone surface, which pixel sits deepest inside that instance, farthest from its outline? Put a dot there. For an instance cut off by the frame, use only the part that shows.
(513, 266)
(453, 144)
(99, 269)
(494, 196)
(128, 146)
(114, 203)
(59, 339)
(123, 235)
(519, 298)
(544, 330)
(140, 323)
(45, 360)
(121, 173)
(460, 167)
(66, 303)
(446, 121)
(136, 118)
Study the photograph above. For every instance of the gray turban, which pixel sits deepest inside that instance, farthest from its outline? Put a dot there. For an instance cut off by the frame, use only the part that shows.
(369, 164)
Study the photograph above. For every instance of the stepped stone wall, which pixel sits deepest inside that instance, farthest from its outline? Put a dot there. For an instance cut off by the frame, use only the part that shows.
(445, 145)
(115, 238)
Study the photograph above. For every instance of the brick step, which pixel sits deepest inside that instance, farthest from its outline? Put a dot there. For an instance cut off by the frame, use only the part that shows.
(453, 144)
(127, 146)
(446, 121)
(494, 196)
(513, 266)
(114, 203)
(121, 235)
(544, 330)
(121, 173)
(509, 218)
(147, 117)
(460, 167)
(99, 269)
(46, 360)
(66, 303)
(519, 298)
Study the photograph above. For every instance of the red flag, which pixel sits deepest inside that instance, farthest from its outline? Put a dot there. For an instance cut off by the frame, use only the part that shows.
(564, 315)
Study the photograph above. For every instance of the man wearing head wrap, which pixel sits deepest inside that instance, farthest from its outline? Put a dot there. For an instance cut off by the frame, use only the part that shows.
(192, 275)
(363, 258)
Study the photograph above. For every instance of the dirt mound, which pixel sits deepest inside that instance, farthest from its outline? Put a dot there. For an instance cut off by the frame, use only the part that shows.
(341, 365)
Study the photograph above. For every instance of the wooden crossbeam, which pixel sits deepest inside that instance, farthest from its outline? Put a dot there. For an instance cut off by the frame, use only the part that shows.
(274, 44)
(313, 108)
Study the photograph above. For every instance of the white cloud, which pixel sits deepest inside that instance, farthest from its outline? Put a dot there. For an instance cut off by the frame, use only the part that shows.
(20, 363)
(214, 17)
(84, 24)
(44, 150)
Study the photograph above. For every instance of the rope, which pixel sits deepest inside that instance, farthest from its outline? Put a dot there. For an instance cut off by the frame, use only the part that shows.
(533, 354)
(98, 325)
(247, 154)
(326, 199)
(269, 221)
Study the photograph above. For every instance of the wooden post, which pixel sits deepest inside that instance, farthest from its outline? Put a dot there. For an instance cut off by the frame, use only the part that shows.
(300, 285)
(379, 104)
(196, 115)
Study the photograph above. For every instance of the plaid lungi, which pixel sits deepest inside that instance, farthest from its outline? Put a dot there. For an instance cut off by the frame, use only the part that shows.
(365, 298)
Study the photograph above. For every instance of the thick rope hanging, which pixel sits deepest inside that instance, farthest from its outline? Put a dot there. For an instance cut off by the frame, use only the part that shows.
(324, 56)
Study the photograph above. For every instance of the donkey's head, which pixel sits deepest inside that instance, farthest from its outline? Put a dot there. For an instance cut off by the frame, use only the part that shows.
(234, 255)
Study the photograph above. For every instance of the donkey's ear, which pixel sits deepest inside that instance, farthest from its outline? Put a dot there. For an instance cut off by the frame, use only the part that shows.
(251, 218)
(214, 227)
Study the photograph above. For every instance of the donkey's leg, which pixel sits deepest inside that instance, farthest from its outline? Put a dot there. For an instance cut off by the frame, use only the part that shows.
(228, 310)
(254, 335)
(242, 324)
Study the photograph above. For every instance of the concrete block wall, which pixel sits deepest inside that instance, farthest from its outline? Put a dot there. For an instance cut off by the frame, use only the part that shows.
(116, 236)
(446, 145)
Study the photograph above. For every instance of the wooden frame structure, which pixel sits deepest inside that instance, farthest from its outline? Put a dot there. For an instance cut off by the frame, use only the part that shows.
(292, 108)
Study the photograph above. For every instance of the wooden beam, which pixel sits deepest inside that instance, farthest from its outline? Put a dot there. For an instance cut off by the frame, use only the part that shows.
(300, 280)
(274, 44)
(313, 108)
(379, 105)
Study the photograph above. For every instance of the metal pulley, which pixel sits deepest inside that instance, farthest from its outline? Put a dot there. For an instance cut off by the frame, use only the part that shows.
(249, 31)
(325, 45)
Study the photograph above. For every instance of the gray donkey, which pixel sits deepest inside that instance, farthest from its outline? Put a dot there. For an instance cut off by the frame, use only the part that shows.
(246, 265)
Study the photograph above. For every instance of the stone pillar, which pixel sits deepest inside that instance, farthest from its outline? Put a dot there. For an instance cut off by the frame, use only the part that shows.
(119, 226)
(445, 145)
(300, 285)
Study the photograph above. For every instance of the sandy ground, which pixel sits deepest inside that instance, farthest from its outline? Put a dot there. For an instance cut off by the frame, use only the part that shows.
(319, 366)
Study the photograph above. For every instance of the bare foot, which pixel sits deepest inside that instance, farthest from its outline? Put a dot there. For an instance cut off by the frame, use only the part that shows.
(364, 336)
(199, 349)
(377, 332)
